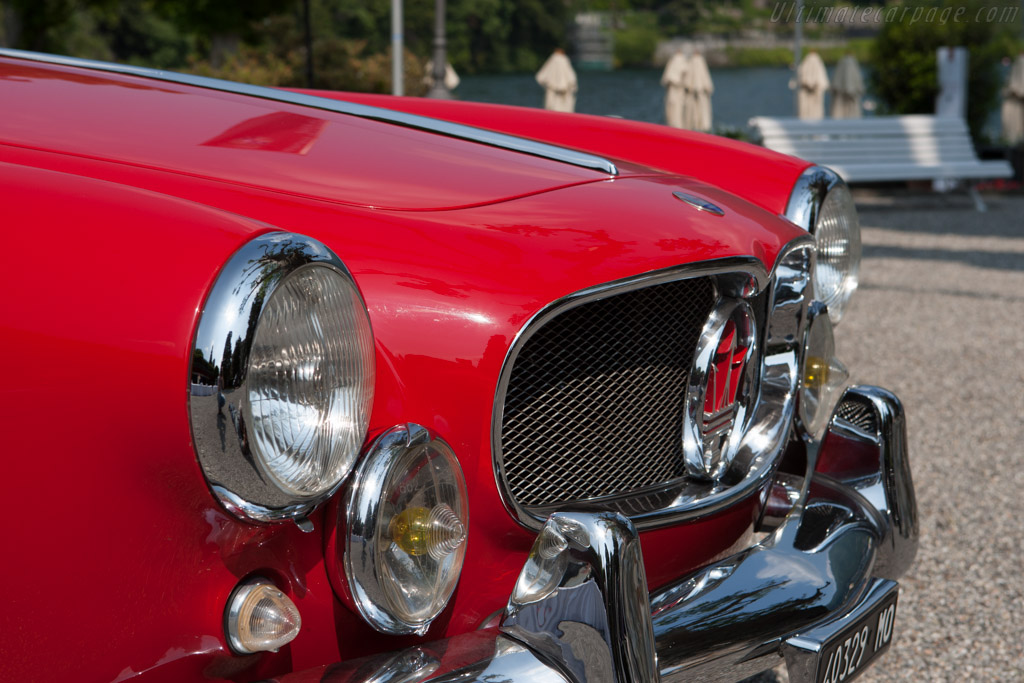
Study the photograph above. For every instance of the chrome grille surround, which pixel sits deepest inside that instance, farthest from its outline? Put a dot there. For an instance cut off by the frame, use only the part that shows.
(595, 386)
(767, 428)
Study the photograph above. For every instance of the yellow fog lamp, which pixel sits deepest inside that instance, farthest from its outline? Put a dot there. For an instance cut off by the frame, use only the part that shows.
(418, 531)
(823, 375)
(405, 530)
(816, 372)
(260, 618)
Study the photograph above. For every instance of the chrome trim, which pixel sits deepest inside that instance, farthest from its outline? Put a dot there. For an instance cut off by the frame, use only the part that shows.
(595, 621)
(780, 499)
(808, 194)
(233, 610)
(425, 123)
(736, 275)
(699, 204)
(771, 416)
(217, 419)
(850, 431)
(891, 488)
(701, 464)
(476, 657)
(362, 510)
(829, 562)
(727, 620)
(803, 652)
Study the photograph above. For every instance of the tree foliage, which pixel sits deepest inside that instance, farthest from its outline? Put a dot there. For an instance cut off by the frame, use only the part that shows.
(263, 41)
(905, 73)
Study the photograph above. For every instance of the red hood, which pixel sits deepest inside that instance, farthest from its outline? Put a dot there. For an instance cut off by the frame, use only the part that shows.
(261, 143)
(150, 187)
(757, 174)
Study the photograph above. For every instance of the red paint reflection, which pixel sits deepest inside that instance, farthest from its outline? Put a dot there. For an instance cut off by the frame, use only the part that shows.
(276, 132)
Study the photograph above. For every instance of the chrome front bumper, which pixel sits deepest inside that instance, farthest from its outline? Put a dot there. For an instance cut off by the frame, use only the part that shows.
(581, 611)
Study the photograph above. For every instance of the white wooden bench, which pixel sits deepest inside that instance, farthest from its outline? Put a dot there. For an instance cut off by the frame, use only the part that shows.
(884, 148)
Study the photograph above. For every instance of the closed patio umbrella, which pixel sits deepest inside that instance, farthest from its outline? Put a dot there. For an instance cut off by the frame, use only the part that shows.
(812, 83)
(847, 89)
(1013, 103)
(697, 106)
(451, 79)
(558, 79)
(672, 80)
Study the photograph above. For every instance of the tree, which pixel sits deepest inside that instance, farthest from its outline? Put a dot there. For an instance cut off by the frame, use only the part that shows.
(904, 63)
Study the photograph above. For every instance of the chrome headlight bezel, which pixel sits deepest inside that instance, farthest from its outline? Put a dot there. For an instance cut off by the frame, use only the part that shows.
(811, 204)
(230, 318)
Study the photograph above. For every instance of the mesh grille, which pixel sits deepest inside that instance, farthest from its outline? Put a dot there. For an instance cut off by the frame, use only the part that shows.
(594, 402)
(859, 414)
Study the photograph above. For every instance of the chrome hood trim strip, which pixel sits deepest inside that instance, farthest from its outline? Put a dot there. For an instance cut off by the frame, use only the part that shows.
(424, 123)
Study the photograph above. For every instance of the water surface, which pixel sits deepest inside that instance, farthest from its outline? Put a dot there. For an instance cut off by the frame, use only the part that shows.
(637, 93)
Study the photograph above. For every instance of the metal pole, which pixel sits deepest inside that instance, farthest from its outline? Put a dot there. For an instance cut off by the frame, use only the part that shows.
(439, 90)
(309, 45)
(798, 39)
(397, 49)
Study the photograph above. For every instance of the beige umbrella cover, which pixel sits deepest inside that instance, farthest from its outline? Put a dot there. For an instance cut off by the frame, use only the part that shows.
(559, 82)
(847, 89)
(672, 80)
(697, 107)
(451, 79)
(1013, 103)
(812, 81)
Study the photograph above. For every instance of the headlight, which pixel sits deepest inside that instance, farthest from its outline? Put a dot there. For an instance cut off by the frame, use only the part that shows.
(838, 235)
(282, 378)
(405, 530)
(821, 203)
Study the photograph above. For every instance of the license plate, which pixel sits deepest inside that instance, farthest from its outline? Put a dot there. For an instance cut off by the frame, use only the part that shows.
(850, 651)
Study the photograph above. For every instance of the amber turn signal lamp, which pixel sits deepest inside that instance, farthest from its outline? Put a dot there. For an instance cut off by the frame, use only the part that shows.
(437, 532)
(823, 375)
(816, 372)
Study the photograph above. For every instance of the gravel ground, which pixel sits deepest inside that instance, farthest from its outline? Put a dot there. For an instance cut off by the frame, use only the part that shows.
(939, 319)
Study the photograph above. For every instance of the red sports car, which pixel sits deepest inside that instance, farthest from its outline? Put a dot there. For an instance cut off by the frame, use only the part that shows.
(436, 390)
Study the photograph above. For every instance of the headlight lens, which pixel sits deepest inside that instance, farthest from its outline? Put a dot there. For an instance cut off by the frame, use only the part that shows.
(310, 383)
(837, 232)
(405, 531)
(282, 378)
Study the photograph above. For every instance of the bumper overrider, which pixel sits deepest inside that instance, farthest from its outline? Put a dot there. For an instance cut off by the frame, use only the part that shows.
(581, 610)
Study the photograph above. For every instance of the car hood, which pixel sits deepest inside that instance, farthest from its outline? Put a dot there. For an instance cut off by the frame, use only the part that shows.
(261, 143)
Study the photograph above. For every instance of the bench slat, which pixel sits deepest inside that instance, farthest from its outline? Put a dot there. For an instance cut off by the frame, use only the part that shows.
(882, 148)
(848, 139)
(886, 158)
(898, 146)
(853, 173)
(868, 126)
